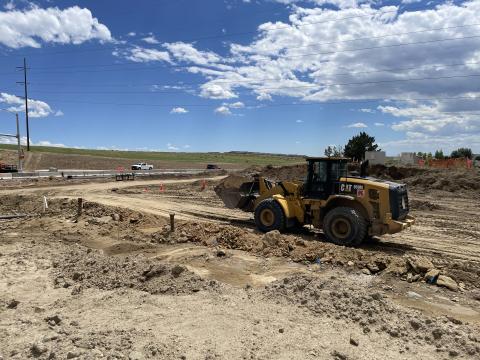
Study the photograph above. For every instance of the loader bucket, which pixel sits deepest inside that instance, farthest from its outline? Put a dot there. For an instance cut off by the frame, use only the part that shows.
(238, 192)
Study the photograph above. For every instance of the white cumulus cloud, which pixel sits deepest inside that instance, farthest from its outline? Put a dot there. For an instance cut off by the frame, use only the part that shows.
(170, 146)
(48, 143)
(212, 90)
(357, 125)
(354, 51)
(150, 40)
(237, 105)
(31, 27)
(36, 108)
(223, 110)
(187, 52)
(178, 110)
(141, 54)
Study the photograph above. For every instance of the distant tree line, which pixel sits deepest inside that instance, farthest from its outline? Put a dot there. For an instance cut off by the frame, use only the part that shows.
(460, 153)
(357, 146)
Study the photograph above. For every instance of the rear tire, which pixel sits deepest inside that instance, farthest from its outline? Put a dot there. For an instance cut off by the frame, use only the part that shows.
(345, 226)
(269, 216)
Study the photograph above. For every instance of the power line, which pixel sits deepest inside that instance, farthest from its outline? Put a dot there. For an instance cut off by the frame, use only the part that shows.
(384, 36)
(253, 81)
(277, 57)
(378, 47)
(290, 47)
(280, 104)
(313, 86)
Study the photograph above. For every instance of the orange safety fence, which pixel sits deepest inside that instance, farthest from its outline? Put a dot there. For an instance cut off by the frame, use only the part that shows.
(446, 163)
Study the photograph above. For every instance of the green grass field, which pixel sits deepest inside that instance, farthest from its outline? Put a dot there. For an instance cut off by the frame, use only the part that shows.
(213, 157)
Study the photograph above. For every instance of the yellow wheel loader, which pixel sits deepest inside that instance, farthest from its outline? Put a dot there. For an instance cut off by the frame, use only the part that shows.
(348, 208)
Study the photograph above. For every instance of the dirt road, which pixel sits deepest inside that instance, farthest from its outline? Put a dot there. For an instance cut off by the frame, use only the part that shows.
(107, 194)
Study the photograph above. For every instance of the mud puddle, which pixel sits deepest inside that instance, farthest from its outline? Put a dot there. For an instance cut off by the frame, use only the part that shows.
(439, 306)
(233, 267)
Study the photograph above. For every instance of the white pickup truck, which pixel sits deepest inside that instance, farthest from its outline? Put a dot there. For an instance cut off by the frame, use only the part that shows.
(142, 166)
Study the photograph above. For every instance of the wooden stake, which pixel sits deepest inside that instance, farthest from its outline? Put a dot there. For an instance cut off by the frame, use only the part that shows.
(172, 222)
(79, 207)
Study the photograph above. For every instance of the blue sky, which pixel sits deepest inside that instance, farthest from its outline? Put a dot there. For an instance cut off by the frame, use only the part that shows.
(261, 75)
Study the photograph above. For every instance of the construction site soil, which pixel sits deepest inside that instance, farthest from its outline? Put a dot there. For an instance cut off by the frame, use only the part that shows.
(115, 282)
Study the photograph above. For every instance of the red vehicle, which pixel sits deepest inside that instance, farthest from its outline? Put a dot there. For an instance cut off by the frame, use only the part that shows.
(8, 168)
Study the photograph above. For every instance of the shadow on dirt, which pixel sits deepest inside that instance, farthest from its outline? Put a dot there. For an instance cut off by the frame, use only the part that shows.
(249, 223)
(375, 244)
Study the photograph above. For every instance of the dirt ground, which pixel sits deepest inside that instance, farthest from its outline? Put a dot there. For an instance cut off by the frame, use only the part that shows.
(116, 283)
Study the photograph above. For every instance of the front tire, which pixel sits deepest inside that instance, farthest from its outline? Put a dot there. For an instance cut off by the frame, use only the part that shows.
(345, 226)
(269, 216)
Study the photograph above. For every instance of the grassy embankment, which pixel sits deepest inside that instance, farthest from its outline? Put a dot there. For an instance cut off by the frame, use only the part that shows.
(187, 157)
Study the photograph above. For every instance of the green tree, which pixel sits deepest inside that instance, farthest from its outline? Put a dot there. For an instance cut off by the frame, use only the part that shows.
(338, 151)
(328, 151)
(335, 151)
(462, 153)
(358, 144)
(439, 154)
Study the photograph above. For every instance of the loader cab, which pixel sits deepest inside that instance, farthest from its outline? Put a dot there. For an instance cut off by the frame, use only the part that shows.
(323, 175)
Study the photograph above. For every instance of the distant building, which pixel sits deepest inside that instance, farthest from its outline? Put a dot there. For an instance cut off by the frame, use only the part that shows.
(409, 158)
(375, 157)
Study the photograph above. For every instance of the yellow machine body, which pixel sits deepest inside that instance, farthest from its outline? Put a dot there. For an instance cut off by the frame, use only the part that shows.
(370, 197)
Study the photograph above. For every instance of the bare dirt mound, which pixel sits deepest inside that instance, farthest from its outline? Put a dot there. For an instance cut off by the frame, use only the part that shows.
(452, 180)
(8, 157)
(86, 268)
(393, 172)
(33, 205)
(375, 313)
(278, 173)
(299, 172)
(416, 204)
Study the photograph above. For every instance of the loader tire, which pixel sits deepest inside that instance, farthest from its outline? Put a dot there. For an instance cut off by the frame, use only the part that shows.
(269, 216)
(345, 226)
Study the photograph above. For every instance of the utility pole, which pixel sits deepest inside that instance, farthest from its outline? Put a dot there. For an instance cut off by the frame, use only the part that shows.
(19, 146)
(20, 156)
(25, 83)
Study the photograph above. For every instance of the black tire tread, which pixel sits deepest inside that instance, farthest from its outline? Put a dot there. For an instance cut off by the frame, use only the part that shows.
(357, 221)
(280, 219)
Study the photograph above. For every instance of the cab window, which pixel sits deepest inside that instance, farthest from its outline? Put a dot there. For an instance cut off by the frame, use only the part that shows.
(339, 169)
(320, 171)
